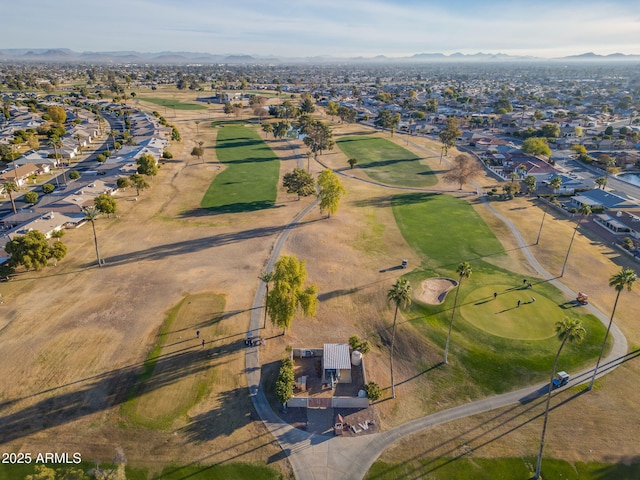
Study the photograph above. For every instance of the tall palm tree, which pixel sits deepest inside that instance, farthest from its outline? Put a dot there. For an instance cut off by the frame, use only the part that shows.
(9, 188)
(266, 277)
(464, 271)
(400, 296)
(56, 143)
(113, 134)
(91, 213)
(624, 278)
(567, 330)
(584, 211)
(542, 222)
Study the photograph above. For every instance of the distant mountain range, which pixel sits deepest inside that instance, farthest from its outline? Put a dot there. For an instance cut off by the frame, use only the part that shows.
(64, 55)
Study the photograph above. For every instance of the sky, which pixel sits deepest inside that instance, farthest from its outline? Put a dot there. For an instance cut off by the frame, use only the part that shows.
(339, 28)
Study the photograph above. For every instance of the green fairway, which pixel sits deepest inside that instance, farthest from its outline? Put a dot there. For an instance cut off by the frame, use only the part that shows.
(496, 345)
(462, 468)
(250, 179)
(443, 229)
(386, 162)
(175, 104)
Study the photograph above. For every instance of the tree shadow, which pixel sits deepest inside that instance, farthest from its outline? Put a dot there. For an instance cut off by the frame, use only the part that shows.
(397, 200)
(72, 401)
(223, 420)
(508, 421)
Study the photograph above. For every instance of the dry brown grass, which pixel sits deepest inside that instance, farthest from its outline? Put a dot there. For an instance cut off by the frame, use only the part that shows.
(71, 333)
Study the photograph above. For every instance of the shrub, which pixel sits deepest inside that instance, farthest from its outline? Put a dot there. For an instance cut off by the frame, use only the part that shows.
(373, 391)
(167, 154)
(356, 344)
(31, 197)
(285, 381)
(48, 188)
(74, 175)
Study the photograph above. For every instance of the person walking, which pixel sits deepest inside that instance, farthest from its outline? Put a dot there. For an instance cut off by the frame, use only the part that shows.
(519, 303)
(495, 295)
(203, 343)
(197, 333)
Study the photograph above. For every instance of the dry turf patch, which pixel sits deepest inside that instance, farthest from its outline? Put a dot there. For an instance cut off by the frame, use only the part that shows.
(184, 364)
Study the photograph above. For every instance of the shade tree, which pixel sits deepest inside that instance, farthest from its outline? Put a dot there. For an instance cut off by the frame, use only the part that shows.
(299, 182)
(464, 168)
(289, 294)
(330, 192)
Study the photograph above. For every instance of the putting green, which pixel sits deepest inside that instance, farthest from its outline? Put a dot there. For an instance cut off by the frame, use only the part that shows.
(532, 320)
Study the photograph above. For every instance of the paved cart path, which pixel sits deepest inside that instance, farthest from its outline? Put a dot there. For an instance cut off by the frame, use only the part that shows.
(327, 457)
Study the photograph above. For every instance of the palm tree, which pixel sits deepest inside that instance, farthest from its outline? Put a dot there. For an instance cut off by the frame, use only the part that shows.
(9, 188)
(400, 295)
(601, 182)
(584, 211)
(624, 278)
(555, 183)
(78, 138)
(546, 207)
(113, 134)
(56, 143)
(91, 213)
(266, 277)
(464, 271)
(567, 330)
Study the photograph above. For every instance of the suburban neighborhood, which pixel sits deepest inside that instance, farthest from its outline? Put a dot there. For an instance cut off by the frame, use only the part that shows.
(236, 266)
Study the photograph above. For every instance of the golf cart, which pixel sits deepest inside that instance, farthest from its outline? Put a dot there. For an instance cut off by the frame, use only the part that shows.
(562, 378)
(582, 298)
(404, 263)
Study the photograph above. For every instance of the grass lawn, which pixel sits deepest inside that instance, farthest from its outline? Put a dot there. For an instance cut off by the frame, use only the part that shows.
(496, 345)
(170, 103)
(192, 472)
(386, 162)
(219, 472)
(20, 471)
(250, 179)
(178, 371)
(500, 469)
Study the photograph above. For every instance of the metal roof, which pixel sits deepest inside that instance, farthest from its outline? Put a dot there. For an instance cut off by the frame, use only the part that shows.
(336, 356)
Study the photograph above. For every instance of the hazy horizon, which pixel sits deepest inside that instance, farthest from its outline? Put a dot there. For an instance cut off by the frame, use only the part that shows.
(393, 28)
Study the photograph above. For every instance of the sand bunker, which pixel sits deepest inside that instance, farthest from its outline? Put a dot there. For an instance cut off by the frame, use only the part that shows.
(434, 290)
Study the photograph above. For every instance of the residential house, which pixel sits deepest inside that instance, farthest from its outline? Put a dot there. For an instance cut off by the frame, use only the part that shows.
(622, 223)
(21, 174)
(602, 198)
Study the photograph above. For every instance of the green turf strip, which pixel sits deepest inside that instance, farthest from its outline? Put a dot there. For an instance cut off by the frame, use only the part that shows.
(174, 104)
(464, 468)
(386, 162)
(250, 180)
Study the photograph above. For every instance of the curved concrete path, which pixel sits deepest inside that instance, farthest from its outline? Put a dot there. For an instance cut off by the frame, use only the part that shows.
(326, 457)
